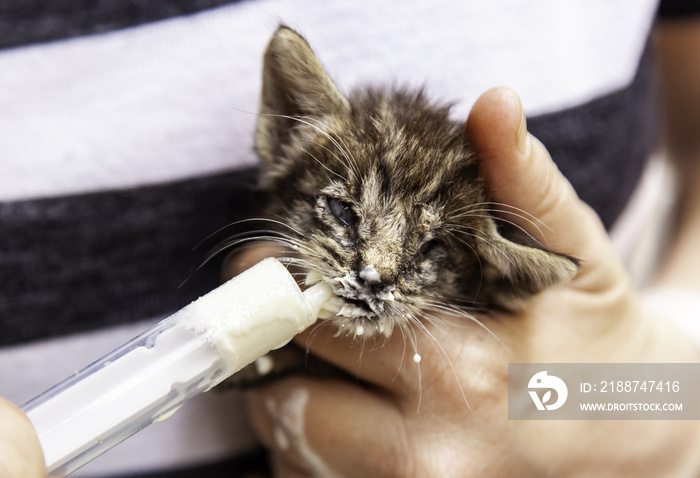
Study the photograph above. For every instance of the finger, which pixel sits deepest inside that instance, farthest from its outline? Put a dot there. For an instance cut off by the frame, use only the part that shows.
(521, 173)
(20, 451)
(385, 362)
(331, 428)
(425, 362)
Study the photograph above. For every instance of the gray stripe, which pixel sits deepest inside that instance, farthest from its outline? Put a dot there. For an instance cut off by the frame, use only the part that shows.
(78, 263)
(36, 21)
(602, 146)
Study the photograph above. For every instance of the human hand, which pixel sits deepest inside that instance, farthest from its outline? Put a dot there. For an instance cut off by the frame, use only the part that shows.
(447, 415)
(20, 451)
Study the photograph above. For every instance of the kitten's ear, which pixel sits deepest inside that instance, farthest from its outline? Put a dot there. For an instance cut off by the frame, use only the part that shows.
(524, 270)
(294, 84)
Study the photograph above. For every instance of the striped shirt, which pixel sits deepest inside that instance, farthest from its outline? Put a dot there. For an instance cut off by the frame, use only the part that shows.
(126, 135)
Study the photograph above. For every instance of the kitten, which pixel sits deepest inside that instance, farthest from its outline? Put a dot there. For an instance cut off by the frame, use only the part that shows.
(378, 194)
(380, 197)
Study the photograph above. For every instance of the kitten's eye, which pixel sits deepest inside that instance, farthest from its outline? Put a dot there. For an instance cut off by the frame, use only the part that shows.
(342, 211)
(428, 246)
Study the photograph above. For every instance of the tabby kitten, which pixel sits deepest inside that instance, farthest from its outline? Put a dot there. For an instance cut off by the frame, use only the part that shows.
(378, 194)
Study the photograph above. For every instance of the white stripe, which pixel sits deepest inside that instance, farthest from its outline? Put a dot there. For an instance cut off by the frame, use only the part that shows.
(176, 98)
(209, 427)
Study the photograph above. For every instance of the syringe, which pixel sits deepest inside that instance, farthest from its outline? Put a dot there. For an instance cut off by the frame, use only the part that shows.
(150, 377)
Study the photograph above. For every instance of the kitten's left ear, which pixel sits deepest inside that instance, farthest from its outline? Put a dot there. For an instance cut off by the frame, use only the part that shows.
(294, 85)
(524, 270)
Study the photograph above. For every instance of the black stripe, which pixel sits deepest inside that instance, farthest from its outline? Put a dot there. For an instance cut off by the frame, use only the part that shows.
(34, 21)
(253, 464)
(77, 263)
(678, 9)
(602, 146)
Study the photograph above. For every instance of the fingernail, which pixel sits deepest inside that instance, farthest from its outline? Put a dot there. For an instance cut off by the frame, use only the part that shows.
(522, 137)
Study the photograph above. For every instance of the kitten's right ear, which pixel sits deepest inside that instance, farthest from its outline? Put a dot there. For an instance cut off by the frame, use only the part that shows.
(294, 84)
(521, 270)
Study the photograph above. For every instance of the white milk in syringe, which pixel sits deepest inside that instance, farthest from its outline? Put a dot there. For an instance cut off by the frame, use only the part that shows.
(148, 378)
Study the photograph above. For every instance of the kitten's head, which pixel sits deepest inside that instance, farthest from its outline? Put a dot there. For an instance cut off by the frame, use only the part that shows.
(382, 197)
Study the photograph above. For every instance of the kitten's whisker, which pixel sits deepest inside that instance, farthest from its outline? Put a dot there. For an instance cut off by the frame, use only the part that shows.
(449, 310)
(307, 120)
(324, 166)
(246, 239)
(305, 265)
(414, 342)
(452, 228)
(316, 330)
(347, 160)
(466, 304)
(246, 221)
(483, 237)
(227, 226)
(231, 243)
(403, 330)
(435, 320)
(338, 142)
(522, 213)
(280, 222)
(252, 233)
(507, 208)
(514, 224)
(502, 208)
(260, 236)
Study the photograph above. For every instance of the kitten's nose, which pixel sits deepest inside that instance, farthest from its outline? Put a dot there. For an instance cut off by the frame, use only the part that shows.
(370, 275)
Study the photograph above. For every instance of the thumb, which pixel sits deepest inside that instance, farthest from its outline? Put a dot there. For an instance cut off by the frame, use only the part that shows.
(521, 174)
(20, 451)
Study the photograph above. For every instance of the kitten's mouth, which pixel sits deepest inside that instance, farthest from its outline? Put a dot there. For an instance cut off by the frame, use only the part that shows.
(359, 312)
(354, 308)
(356, 318)
(361, 304)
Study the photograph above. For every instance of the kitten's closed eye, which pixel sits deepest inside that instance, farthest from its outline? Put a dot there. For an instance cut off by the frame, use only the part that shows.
(428, 247)
(342, 211)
